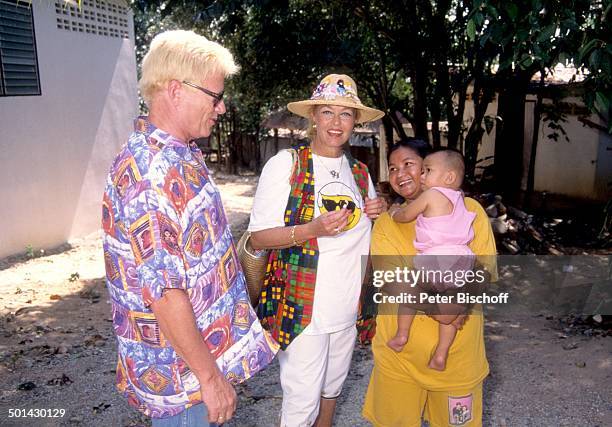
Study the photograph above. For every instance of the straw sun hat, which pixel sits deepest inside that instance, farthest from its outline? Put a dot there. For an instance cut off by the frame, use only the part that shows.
(336, 89)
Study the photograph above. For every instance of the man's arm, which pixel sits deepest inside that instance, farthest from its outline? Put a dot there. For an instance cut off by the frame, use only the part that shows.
(177, 322)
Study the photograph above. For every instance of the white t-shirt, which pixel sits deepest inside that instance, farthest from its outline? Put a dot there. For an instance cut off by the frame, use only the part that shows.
(339, 271)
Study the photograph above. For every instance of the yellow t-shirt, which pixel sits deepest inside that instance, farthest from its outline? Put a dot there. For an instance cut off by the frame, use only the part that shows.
(467, 363)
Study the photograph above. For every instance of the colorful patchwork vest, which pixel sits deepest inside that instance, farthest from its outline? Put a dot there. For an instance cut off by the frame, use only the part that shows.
(285, 304)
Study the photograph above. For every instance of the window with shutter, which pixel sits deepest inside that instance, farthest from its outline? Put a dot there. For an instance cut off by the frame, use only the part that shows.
(18, 59)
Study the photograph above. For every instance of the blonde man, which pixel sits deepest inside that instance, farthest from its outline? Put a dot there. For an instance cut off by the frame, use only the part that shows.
(181, 312)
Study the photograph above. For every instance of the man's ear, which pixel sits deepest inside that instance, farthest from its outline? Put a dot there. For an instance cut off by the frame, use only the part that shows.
(174, 91)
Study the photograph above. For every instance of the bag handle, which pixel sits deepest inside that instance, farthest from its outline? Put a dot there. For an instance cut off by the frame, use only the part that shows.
(295, 169)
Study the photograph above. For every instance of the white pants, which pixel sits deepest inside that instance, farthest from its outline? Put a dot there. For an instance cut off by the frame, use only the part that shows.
(313, 367)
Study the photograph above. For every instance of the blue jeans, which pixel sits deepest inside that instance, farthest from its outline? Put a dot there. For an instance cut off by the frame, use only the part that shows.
(195, 416)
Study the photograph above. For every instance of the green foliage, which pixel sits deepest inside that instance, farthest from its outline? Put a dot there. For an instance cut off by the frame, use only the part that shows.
(416, 57)
(545, 33)
(528, 35)
(595, 56)
(30, 252)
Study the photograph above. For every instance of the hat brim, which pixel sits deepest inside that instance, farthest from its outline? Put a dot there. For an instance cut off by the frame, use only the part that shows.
(304, 108)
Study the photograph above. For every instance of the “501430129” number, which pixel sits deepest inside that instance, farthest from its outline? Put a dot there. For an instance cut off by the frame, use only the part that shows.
(37, 413)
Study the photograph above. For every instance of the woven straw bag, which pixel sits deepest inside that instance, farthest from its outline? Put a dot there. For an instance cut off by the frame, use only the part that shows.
(254, 265)
(254, 262)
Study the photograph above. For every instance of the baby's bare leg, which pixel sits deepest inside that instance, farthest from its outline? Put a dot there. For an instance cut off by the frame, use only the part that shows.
(405, 316)
(446, 336)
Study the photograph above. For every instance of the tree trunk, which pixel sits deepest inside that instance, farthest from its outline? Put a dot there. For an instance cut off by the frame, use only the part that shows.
(472, 142)
(257, 149)
(537, 115)
(442, 93)
(275, 140)
(239, 150)
(265, 154)
(455, 120)
(419, 122)
(481, 98)
(388, 126)
(509, 137)
(236, 141)
(219, 152)
(435, 123)
(396, 124)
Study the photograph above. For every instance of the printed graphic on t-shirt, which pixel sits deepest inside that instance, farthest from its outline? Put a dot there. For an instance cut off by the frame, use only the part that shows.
(459, 410)
(335, 196)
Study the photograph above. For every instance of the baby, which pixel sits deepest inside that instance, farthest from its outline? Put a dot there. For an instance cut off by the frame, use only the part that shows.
(444, 228)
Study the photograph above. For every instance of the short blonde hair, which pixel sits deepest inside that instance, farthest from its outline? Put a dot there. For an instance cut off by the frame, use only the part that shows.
(182, 55)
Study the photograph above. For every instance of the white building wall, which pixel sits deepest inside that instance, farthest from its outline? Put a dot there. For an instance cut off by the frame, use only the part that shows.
(564, 167)
(55, 149)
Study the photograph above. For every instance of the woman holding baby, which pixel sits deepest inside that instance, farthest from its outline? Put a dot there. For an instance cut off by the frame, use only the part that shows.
(406, 383)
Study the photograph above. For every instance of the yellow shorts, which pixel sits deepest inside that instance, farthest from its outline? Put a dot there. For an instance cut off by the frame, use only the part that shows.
(400, 402)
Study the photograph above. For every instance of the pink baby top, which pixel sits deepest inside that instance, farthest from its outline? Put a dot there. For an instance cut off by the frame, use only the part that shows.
(446, 234)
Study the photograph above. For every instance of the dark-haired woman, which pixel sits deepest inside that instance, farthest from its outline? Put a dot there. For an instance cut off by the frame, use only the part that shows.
(402, 389)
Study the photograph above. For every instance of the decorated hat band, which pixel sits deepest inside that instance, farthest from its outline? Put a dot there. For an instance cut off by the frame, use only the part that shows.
(336, 89)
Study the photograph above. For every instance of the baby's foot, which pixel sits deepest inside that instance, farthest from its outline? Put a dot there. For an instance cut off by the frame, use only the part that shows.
(398, 342)
(437, 362)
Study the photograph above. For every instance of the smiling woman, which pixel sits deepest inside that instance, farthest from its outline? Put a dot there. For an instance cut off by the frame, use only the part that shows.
(405, 167)
(317, 221)
(334, 126)
(402, 388)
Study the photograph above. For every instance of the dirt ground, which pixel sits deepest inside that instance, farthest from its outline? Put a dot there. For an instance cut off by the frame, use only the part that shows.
(57, 351)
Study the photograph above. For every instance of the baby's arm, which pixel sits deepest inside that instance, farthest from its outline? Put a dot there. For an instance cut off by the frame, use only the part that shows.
(411, 211)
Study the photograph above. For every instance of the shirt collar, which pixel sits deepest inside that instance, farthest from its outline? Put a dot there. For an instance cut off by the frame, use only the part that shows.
(144, 126)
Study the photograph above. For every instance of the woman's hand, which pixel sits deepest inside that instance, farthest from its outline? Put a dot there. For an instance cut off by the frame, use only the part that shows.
(330, 223)
(374, 207)
(327, 224)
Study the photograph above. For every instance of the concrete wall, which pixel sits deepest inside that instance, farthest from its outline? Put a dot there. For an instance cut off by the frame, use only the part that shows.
(569, 168)
(562, 167)
(55, 149)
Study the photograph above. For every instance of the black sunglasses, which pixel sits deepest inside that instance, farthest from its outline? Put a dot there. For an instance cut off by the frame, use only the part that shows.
(218, 97)
(331, 205)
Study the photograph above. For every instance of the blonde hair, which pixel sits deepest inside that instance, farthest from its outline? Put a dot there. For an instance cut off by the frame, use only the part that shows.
(182, 55)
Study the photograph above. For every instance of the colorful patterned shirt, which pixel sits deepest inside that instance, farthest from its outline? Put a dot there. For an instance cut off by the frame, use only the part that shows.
(165, 227)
